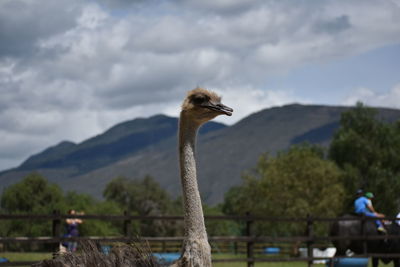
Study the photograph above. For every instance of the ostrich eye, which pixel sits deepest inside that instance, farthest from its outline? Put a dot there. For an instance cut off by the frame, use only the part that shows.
(199, 99)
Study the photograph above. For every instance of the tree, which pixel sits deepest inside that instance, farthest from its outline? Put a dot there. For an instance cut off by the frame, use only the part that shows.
(293, 184)
(367, 149)
(143, 197)
(32, 195)
(219, 227)
(87, 204)
(35, 195)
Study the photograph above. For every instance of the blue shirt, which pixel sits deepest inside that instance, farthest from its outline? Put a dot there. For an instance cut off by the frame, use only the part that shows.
(360, 205)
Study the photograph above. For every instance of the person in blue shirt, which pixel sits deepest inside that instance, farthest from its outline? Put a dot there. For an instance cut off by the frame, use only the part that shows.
(363, 205)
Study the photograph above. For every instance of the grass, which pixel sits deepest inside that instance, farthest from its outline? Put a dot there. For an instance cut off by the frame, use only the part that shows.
(32, 256)
(264, 264)
(36, 256)
(260, 264)
(25, 256)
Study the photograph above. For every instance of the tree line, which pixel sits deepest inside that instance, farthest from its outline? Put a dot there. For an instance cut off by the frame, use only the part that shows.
(304, 179)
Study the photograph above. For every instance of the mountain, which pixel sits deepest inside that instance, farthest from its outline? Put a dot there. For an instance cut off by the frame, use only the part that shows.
(119, 142)
(66, 160)
(148, 147)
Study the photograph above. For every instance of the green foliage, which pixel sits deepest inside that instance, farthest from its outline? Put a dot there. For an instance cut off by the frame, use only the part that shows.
(102, 227)
(32, 195)
(35, 195)
(143, 197)
(293, 184)
(219, 227)
(367, 149)
(89, 205)
(78, 202)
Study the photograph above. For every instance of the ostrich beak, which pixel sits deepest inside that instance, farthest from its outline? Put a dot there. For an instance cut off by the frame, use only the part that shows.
(219, 108)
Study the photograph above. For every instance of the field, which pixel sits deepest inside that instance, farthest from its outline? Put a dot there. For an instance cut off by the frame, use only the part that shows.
(16, 256)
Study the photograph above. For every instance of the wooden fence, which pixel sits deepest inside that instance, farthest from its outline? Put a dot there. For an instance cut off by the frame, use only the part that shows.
(249, 243)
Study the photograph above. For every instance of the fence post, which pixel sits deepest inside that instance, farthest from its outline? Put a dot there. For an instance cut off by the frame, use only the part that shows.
(363, 233)
(250, 244)
(127, 225)
(56, 231)
(235, 247)
(310, 234)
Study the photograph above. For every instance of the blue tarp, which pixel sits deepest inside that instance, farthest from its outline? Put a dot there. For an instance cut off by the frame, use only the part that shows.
(272, 250)
(349, 262)
(3, 260)
(106, 249)
(167, 257)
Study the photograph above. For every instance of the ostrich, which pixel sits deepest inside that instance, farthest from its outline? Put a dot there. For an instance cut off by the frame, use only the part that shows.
(199, 106)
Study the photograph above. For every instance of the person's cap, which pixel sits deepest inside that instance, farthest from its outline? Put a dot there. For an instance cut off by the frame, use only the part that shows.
(369, 195)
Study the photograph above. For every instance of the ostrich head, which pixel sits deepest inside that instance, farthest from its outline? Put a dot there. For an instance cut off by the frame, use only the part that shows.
(202, 105)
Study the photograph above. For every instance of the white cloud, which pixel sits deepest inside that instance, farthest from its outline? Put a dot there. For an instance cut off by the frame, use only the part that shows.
(391, 98)
(247, 100)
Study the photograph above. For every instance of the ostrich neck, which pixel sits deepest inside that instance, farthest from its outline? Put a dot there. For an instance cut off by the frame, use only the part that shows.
(193, 211)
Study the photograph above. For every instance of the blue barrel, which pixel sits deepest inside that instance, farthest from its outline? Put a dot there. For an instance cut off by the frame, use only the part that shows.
(349, 262)
(106, 249)
(167, 257)
(3, 260)
(272, 250)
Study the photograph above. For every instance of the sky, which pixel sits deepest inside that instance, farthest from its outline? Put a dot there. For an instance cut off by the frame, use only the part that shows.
(70, 69)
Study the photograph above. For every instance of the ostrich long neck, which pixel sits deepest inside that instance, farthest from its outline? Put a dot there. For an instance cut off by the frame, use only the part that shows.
(193, 211)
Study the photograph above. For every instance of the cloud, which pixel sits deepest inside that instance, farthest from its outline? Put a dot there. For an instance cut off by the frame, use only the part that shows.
(71, 69)
(333, 26)
(391, 98)
(24, 23)
(245, 101)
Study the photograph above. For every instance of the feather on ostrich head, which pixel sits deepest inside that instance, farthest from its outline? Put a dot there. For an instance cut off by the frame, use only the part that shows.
(201, 105)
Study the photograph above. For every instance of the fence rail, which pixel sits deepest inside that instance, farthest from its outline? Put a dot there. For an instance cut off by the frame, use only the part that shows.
(249, 239)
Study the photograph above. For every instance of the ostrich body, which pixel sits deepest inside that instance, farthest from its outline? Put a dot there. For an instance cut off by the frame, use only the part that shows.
(199, 106)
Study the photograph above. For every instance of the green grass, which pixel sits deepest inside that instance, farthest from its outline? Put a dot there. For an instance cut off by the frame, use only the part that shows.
(31, 256)
(25, 256)
(263, 264)
(258, 264)
(270, 264)
(36, 256)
